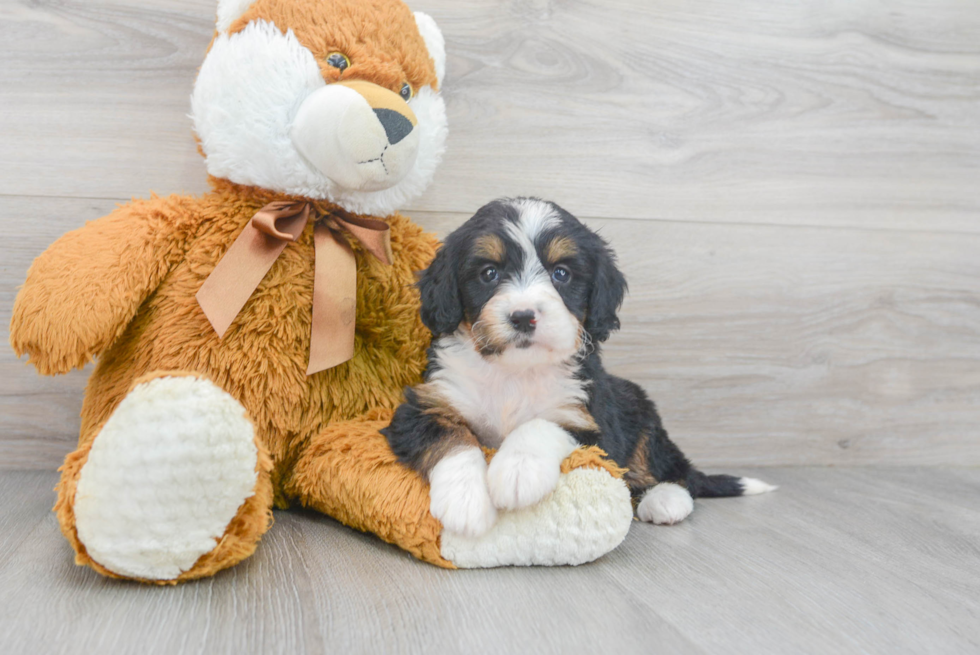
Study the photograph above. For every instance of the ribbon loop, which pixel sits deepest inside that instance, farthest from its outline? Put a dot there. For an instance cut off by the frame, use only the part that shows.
(373, 234)
(282, 219)
(248, 260)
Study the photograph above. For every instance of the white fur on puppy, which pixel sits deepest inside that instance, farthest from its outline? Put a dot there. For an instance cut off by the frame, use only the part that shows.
(665, 504)
(528, 463)
(458, 493)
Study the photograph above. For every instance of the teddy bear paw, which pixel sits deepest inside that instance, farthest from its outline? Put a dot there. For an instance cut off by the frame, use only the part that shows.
(586, 515)
(165, 476)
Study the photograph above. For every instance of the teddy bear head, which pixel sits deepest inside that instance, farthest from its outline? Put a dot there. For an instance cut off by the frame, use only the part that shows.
(335, 100)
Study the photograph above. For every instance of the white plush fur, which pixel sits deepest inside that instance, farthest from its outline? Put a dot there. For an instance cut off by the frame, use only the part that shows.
(753, 486)
(587, 515)
(228, 11)
(526, 467)
(496, 400)
(435, 43)
(246, 97)
(165, 476)
(665, 504)
(458, 493)
(338, 132)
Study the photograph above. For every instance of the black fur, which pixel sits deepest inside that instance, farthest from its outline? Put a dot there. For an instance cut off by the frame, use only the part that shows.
(442, 308)
(412, 433)
(629, 428)
(625, 416)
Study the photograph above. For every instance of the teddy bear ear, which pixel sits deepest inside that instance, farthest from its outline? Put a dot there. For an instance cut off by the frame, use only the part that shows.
(434, 42)
(228, 11)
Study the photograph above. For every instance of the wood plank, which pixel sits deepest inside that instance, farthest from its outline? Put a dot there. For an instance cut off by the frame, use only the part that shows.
(761, 344)
(313, 587)
(39, 416)
(837, 560)
(96, 97)
(801, 113)
(856, 560)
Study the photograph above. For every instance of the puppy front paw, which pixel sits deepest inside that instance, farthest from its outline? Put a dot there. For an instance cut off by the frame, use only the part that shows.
(458, 493)
(527, 466)
(518, 479)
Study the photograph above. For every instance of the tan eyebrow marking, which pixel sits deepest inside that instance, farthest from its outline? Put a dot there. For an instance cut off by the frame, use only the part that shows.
(558, 249)
(491, 247)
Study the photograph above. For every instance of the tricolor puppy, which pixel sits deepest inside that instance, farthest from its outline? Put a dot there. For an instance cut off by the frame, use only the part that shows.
(518, 299)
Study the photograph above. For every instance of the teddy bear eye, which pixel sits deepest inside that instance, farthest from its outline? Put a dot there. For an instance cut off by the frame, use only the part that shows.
(406, 92)
(338, 60)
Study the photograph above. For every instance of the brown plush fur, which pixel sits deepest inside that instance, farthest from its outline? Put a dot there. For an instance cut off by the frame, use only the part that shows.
(122, 289)
(392, 54)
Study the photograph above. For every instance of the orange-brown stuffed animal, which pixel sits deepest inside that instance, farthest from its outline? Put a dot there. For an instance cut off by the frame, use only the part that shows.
(221, 390)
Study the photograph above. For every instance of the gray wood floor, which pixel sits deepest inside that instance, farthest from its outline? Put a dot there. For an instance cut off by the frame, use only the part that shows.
(837, 561)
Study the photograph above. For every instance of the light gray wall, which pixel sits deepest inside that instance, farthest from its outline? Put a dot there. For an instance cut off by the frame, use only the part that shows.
(792, 188)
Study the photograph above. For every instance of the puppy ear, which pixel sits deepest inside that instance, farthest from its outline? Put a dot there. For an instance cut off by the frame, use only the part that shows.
(442, 309)
(606, 295)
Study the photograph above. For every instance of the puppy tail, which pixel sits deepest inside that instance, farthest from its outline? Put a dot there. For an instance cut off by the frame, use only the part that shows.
(724, 486)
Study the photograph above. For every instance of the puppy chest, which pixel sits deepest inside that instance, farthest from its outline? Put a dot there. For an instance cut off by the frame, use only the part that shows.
(494, 403)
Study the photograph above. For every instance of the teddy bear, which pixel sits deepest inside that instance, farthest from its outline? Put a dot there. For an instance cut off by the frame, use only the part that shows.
(251, 342)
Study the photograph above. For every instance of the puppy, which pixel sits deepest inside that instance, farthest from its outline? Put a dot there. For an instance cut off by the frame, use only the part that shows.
(518, 299)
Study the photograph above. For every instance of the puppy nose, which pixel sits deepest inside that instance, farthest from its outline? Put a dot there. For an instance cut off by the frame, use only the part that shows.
(397, 127)
(523, 321)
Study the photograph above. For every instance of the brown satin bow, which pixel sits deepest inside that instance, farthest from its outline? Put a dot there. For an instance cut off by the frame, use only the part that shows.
(256, 249)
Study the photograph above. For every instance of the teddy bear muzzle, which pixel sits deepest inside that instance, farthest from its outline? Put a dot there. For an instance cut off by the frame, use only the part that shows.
(360, 135)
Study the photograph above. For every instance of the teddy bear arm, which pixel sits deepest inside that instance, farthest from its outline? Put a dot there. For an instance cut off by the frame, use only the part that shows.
(82, 292)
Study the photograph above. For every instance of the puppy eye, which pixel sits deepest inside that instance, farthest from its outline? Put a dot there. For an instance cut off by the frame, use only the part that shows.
(561, 275)
(338, 60)
(489, 274)
(406, 92)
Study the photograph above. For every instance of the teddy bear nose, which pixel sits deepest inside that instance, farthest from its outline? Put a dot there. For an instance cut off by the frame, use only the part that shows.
(397, 127)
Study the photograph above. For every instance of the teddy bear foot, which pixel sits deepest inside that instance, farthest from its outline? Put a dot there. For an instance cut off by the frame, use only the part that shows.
(587, 515)
(164, 478)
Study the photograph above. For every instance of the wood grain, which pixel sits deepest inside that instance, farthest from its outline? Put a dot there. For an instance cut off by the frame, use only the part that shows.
(760, 344)
(799, 113)
(837, 560)
(813, 300)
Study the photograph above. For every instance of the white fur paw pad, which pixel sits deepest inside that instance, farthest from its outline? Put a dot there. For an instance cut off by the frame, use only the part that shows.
(165, 476)
(458, 493)
(519, 479)
(665, 504)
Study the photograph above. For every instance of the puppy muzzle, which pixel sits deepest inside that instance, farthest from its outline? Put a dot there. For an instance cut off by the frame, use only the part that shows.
(360, 135)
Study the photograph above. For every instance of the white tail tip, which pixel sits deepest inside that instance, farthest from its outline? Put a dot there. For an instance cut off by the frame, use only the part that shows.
(752, 487)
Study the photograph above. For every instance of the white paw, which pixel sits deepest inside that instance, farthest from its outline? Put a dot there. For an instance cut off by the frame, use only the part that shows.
(528, 463)
(519, 479)
(165, 476)
(665, 504)
(458, 493)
